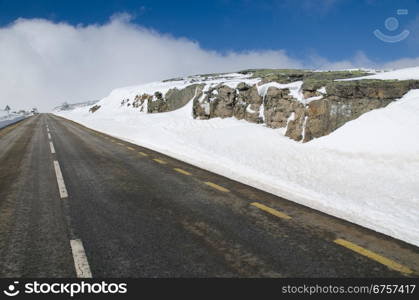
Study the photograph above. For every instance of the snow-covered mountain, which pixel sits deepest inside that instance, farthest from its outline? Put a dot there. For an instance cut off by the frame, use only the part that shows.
(365, 170)
(71, 106)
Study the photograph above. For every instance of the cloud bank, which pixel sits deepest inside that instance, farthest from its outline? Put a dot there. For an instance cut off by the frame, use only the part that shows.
(44, 64)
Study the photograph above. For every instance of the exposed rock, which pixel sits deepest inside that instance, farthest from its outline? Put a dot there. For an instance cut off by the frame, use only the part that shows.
(296, 124)
(176, 99)
(340, 102)
(201, 107)
(140, 100)
(94, 108)
(326, 104)
(347, 100)
(157, 104)
(216, 102)
(221, 102)
(291, 75)
(248, 103)
(278, 106)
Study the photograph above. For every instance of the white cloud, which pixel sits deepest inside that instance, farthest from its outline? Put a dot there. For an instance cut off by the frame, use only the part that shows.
(44, 64)
(359, 60)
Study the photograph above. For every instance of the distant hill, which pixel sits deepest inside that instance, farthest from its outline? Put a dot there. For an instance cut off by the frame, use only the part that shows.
(71, 106)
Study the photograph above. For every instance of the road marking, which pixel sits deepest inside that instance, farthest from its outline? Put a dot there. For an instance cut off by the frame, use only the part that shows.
(80, 259)
(49, 136)
(9, 128)
(47, 129)
(130, 148)
(51, 146)
(374, 256)
(217, 187)
(120, 144)
(60, 180)
(272, 211)
(142, 153)
(182, 171)
(159, 161)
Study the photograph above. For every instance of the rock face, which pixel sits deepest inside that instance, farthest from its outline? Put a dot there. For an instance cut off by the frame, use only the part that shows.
(347, 100)
(248, 104)
(172, 100)
(94, 108)
(336, 103)
(323, 104)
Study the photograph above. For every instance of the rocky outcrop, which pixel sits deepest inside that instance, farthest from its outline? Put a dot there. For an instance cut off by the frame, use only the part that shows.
(347, 100)
(326, 104)
(94, 108)
(323, 104)
(242, 102)
(172, 100)
(249, 103)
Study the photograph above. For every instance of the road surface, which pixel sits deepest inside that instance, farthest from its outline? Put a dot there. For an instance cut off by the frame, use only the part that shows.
(78, 203)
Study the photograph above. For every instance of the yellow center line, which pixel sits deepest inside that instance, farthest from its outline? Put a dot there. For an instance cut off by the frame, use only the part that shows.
(9, 128)
(142, 153)
(272, 211)
(374, 256)
(216, 186)
(130, 148)
(182, 171)
(159, 161)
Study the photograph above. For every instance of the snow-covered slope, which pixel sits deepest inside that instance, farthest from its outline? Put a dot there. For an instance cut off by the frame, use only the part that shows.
(3, 114)
(113, 101)
(402, 74)
(71, 106)
(367, 175)
(7, 119)
(388, 130)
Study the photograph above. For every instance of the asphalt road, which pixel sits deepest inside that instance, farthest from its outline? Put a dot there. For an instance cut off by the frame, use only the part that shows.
(78, 203)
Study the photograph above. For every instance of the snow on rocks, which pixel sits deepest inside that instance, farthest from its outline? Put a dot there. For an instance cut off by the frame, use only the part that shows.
(365, 172)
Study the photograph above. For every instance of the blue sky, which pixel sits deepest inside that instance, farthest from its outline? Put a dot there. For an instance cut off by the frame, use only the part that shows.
(53, 51)
(334, 29)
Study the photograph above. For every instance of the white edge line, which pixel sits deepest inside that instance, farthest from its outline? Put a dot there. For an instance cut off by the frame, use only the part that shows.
(60, 180)
(51, 145)
(49, 136)
(80, 259)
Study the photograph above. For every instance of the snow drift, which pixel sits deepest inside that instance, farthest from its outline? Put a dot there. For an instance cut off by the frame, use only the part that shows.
(8, 119)
(365, 172)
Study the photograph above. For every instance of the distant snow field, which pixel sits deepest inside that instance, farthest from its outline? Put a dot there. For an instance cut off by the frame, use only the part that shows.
(8, 119)
(366, 172)
(402, 74)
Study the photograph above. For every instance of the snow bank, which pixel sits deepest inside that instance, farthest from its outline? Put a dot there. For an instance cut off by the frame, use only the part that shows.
(402, 74)
(389, 130)
(8, 119)
(374, 188)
